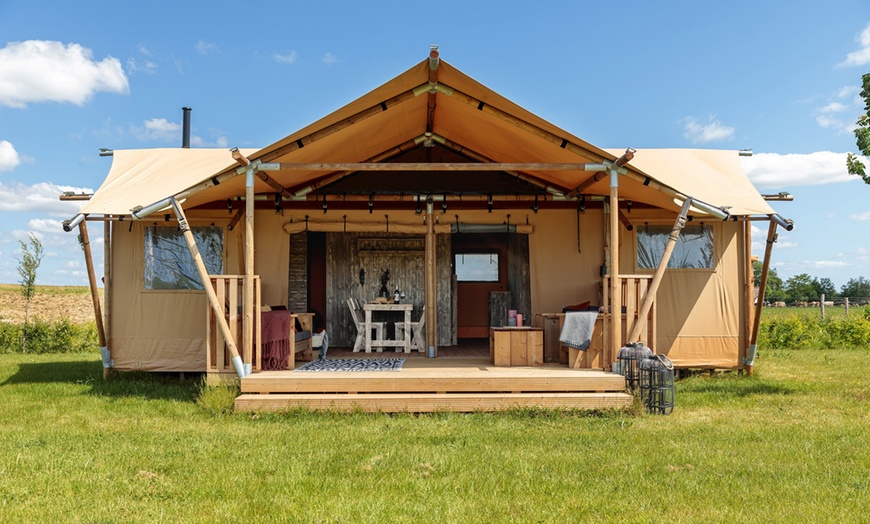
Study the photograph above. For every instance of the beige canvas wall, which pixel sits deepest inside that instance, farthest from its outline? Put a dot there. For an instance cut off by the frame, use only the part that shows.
(700, 312)
(164, 330)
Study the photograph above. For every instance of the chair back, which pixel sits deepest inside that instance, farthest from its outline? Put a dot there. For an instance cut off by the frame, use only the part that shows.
(354, 312)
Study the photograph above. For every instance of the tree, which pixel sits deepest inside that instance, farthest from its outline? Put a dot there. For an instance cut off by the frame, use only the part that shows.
(862, 134)
(856, 288)
(825, 287)
(799, 288)
(31, 257)
(773, 291)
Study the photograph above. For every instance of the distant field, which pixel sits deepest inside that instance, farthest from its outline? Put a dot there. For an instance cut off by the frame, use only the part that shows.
(51, 303)
(814, 312)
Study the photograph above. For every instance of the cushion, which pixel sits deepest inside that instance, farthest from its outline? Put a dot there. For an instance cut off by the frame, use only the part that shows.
(583, 306)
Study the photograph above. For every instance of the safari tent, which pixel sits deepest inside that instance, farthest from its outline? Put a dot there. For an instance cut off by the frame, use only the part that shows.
(425, 175)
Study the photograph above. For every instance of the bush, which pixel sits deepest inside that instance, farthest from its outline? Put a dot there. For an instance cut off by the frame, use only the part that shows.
(806, 332)
(61, 336)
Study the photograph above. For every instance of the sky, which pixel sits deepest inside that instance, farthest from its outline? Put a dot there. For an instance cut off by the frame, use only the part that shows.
(781, 78)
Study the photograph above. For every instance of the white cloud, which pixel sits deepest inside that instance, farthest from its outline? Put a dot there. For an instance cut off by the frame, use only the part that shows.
(848, 92)
(146, 66)
(862, 55)
(204, 48)
(159, 129)
(861, 217)
(40, 71)
(772, 170)
(289, 58)
(841, 113)
(162, 130)
(828, 263)
(834, 107)
(9, 158)
(329, 58)
(702, 133)
(45, 225)
(43, 197)
(219, 141)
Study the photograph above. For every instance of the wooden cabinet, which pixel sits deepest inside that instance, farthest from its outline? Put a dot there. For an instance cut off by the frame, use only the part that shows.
(516, 346)
(554, 351)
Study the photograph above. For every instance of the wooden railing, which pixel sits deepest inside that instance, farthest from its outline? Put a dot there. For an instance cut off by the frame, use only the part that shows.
(634, 288)
(230, 292)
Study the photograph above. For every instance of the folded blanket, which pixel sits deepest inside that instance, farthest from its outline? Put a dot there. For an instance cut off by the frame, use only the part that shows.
(578, 328)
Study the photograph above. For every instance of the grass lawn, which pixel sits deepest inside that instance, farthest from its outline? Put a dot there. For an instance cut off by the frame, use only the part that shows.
(789, 444)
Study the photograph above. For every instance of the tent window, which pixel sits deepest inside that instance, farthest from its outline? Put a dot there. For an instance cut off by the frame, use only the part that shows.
(168, 264)
(693, 250)
(476, 267)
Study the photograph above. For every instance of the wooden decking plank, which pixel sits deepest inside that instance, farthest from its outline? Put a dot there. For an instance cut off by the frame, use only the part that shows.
(421, 403)
(431, 384)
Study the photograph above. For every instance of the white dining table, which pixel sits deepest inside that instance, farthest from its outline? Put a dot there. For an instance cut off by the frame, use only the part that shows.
(404, 343)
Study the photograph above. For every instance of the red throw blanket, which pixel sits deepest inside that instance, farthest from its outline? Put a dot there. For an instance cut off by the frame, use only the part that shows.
(276, 339)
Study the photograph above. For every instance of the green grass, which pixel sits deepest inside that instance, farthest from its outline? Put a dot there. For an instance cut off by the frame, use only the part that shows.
(789, 444)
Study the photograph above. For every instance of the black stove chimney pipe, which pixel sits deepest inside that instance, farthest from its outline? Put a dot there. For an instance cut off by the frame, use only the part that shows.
(185, 128)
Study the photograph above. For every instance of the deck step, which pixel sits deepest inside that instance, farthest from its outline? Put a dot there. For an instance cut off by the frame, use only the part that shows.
(471, 381)
(430, 402)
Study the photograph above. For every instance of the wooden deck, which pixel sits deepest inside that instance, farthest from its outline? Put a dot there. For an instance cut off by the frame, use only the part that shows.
(443, 384)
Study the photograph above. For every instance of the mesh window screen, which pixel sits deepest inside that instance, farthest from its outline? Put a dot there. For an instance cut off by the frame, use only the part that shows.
(693, 250)
(168, 264)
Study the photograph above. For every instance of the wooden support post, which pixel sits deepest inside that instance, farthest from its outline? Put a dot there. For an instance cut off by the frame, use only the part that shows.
(749, 361)
(95, 297)
(248, 306)
(216, 306)
(431, 299)
(615, 282)
(650, 295)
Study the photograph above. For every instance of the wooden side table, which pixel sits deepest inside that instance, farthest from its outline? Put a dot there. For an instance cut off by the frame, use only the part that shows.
(516, 346)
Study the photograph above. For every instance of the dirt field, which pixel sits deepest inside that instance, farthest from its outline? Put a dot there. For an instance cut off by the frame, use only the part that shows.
(51, 303)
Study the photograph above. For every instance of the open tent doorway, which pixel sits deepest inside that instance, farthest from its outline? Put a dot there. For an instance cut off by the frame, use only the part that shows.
(486, 263)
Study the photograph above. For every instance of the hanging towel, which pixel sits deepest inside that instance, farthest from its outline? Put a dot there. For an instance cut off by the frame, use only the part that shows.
(578, 328)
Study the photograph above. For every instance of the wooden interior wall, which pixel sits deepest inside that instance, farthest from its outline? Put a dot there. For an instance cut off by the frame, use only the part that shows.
(519, 278)
(349, 253)
(297, 280)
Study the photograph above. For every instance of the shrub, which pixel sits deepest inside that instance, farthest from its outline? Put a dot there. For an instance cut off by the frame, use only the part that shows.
(809, 332)
(61, 336)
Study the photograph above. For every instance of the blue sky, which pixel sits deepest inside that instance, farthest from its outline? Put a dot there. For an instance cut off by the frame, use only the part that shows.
(781, 78)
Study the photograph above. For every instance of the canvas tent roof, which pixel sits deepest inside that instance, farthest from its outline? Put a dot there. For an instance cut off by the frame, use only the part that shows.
(385, 122)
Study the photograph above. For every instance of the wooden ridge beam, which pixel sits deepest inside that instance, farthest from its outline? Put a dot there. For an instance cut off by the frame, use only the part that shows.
(428, 166)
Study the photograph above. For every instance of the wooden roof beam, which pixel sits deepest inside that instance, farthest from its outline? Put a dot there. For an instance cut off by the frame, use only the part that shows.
(434, 62)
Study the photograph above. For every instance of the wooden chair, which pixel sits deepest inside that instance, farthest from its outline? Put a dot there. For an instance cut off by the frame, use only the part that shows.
(418, 339)
(358, 316)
